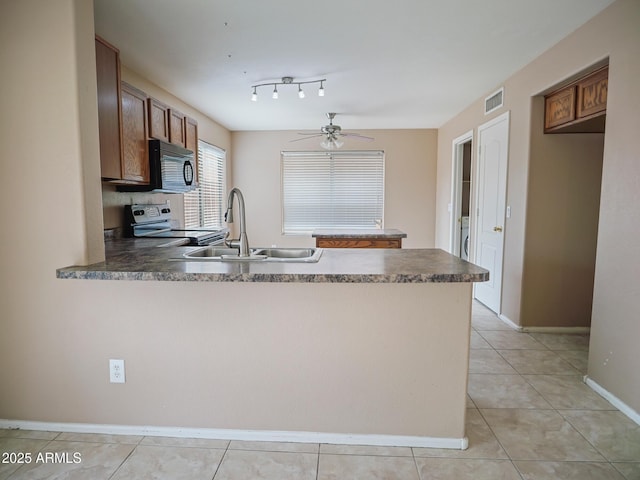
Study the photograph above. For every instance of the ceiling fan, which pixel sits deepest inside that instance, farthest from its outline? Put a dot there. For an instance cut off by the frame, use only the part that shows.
(332, 134)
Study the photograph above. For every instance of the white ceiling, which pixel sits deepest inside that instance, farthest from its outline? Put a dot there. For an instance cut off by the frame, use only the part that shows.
(388, 64)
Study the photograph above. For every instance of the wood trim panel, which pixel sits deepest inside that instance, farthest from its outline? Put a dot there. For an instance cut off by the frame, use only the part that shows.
(358, 243)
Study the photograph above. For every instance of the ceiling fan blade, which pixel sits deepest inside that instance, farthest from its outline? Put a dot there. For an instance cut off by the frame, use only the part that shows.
(308, 137)
(357, 135)
(311, 133)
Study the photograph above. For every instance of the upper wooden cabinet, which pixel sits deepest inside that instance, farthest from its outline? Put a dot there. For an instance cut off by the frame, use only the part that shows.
(135, 144)
(122, 122)
(158, 120)
(579, 107)
(108, 77)
(128, 118)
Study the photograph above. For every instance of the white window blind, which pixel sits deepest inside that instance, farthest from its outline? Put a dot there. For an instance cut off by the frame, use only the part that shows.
(332, 190)
(204, 206)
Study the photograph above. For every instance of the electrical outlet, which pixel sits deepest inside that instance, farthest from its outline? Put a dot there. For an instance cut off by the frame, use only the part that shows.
(116, 371)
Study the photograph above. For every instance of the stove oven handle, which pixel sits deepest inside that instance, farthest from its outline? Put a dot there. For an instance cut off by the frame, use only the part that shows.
(187, 172)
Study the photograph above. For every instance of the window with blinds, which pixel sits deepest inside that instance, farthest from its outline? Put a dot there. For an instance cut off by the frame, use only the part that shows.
(337, 189)
(204, 206)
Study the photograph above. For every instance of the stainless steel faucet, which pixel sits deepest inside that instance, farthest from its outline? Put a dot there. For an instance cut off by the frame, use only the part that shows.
(241, 243)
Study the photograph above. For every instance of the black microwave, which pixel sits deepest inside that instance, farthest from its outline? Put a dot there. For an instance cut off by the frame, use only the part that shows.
(171, 169)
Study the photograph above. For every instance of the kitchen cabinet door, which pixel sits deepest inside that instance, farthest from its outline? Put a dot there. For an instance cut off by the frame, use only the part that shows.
(560, 107)
(108, 77)
(135, 146)
(592, 94)
(158, 120)
(177, 134)
(191, 137)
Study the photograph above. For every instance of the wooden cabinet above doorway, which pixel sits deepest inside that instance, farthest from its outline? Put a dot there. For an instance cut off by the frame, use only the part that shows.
(580, 107)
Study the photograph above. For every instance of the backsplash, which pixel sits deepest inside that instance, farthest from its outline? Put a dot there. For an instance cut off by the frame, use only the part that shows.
(114, 201)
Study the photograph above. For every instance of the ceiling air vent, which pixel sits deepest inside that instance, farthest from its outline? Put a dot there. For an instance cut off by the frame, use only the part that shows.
(494, 101)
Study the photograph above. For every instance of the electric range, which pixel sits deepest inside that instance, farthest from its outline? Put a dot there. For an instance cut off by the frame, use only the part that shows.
(151, 220)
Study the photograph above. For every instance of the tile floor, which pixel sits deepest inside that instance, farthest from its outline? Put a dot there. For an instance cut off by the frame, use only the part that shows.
(529, 417)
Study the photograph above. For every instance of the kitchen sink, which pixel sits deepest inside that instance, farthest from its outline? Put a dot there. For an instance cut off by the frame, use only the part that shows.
(211, 252)
(311, 255)
(223, 254)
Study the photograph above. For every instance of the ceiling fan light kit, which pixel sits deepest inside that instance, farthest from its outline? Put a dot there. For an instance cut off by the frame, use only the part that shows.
(331, 143)
(331, 135)
(287, 81)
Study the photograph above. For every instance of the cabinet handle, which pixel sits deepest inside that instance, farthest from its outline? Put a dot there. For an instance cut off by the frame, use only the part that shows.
(497, 229)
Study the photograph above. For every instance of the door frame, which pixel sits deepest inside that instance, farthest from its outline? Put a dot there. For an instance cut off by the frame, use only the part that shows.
(455, 210)
(476, 225)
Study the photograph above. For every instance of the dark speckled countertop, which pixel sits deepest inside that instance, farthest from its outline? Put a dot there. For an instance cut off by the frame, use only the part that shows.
(141, 259)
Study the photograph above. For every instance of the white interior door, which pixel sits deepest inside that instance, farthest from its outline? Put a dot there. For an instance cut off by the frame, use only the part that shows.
(493, 148)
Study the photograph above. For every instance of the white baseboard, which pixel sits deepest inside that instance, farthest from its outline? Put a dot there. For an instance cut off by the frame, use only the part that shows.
(612, 399)
(574, 330)
(246, 435)
(511, 324)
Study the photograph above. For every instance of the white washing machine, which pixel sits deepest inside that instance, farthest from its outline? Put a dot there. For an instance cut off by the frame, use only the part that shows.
(464, 238)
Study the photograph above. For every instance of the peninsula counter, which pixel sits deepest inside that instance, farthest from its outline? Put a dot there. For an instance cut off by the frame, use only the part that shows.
(363, 347)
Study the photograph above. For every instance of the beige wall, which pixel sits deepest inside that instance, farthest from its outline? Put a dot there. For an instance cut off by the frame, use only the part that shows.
(208, 131)
(615, 329)
(616, 299)
(410, 172)
(48, 94)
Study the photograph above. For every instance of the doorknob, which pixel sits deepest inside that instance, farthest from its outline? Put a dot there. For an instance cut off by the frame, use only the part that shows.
(497, 229)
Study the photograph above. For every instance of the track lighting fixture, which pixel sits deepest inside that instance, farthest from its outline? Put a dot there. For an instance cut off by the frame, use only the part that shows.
(287, 81)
